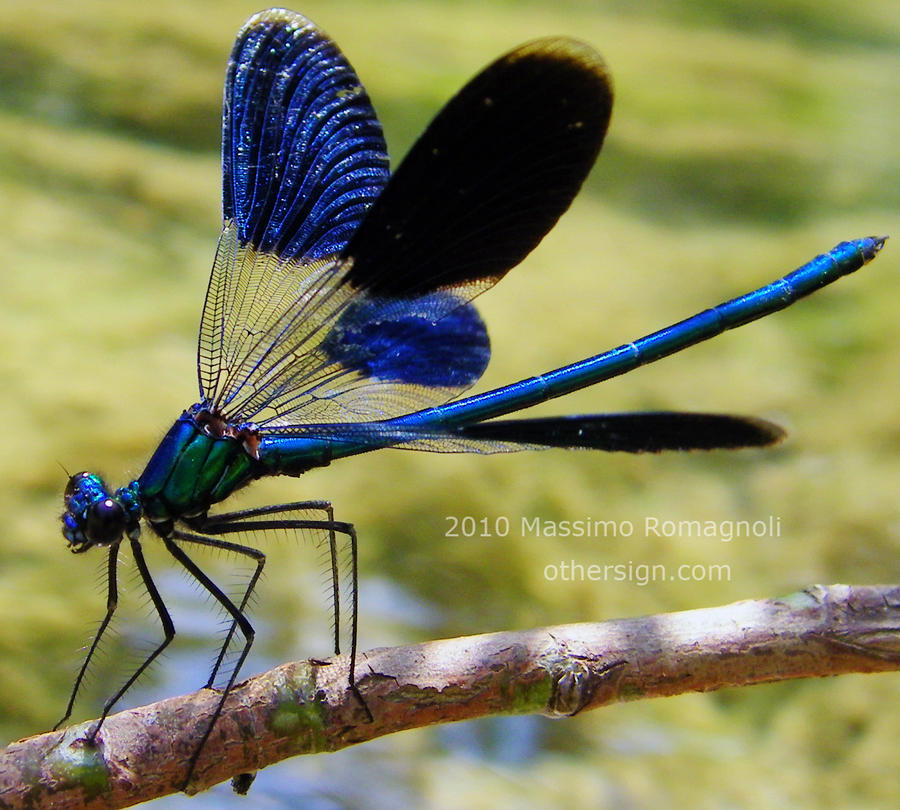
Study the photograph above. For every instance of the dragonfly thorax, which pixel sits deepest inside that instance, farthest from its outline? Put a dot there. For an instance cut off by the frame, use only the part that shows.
(96, 517)
(200, 461)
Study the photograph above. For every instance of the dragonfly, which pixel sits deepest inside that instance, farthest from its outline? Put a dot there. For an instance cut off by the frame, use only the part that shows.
(339, 319)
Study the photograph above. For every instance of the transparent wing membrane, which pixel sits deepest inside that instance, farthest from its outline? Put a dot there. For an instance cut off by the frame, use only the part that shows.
(282, 341)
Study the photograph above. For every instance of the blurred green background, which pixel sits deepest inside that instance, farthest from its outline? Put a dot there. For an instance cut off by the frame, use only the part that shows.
(746, 138)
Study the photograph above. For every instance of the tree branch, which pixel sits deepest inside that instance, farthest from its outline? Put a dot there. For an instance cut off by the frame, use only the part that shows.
(307, 707)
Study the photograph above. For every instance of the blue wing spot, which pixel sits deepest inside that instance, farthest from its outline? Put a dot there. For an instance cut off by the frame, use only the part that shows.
(436, 340)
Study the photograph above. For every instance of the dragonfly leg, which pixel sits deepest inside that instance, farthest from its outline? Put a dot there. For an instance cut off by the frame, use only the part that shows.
(243, 520)
(236, 614)
(327, 508)
(273, 517)
(112, 601)
(237, 548)
(167, 625)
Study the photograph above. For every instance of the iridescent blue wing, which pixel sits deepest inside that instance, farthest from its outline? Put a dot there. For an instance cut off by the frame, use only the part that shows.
(308, 323)
(303, 158)
(302, 150)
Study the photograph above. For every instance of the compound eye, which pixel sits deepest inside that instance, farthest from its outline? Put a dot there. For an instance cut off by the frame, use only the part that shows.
(105, 522)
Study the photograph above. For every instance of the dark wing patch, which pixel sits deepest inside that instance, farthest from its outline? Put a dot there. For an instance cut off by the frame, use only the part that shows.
(647, 432)
(490, 176)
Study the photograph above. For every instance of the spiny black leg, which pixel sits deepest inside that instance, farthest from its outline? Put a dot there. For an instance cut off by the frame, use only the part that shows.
(335, 578)
(326, 507)
(354, 601)
(168, 631)
(265, 517)
(246, 518)
(247, 551)
(243, 623)
(112, 601)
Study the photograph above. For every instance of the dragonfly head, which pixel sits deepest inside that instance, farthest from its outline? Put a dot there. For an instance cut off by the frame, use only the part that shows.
(94, 517)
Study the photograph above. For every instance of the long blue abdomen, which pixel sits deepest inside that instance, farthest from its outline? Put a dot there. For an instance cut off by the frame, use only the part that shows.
(845, 258)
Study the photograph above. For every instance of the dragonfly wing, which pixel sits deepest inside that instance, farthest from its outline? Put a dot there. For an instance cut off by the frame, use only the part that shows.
(303, 158)
(490, 175)
(640, 432)
(382, 326)
(302, 149)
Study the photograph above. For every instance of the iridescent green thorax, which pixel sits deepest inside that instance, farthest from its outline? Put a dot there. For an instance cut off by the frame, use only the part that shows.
(192, 469)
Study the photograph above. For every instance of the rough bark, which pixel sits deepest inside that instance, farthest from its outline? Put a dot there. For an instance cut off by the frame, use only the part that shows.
(306, 707)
